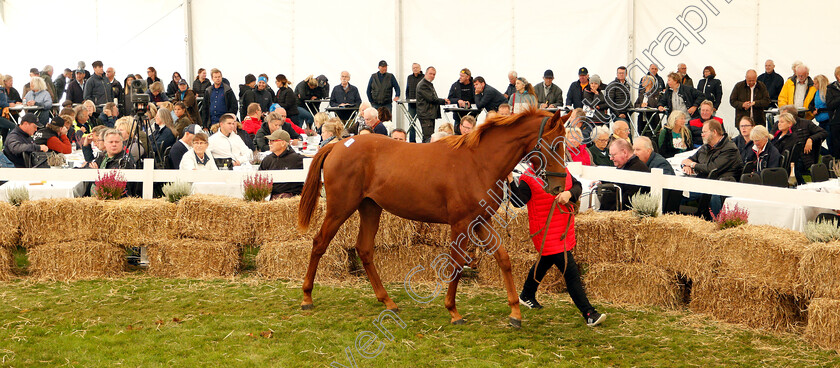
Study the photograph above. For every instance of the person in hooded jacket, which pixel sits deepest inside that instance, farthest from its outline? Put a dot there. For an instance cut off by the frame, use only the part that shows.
(710, 86)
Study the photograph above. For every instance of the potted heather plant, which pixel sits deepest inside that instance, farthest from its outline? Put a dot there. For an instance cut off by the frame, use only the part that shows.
(257, 188)
(111, 185)
(728, 218)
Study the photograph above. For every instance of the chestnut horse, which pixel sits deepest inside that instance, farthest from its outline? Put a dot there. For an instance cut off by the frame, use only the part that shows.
(447, 182)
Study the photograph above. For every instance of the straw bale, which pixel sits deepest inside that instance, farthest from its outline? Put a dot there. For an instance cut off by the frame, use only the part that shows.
(276, 221)
(10, 229)
(290, 259)
(606, 237)
(763, 255)
(739, 301)
(634, 283)
(819, 269)
(824, 323)
(490, 275)
(192, 258)
(6, 264)
(512, 227)
(216, 218)
(58, 220)
(134, 222)
(76, 260)
(394, 263)
(678, 243)
(395, 231)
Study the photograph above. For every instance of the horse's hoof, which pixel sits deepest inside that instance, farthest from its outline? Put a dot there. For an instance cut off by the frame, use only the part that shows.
(459, 322)
(515, 323)
(395, 310)
(307, 306)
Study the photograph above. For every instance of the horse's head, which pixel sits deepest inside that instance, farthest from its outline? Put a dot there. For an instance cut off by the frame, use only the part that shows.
(548, 156)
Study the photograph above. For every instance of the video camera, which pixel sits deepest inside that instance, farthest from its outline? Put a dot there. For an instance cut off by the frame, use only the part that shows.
(138, 96)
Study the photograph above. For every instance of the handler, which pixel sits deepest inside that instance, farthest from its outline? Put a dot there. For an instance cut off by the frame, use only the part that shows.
(558, 243)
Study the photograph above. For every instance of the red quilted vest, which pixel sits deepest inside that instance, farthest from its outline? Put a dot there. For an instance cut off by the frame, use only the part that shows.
(538, 208)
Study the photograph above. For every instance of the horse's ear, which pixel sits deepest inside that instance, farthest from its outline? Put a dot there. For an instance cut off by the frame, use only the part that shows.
(557, 119)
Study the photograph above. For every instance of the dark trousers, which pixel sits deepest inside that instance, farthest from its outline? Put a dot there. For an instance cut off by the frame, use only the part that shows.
(6, 126)
(572, 276)
(428, 126)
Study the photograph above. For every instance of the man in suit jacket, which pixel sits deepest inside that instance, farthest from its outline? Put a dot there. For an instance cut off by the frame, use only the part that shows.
(428, 104)
(749, 97)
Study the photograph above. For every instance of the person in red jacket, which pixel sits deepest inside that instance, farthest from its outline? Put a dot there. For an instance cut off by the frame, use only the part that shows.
(54, 136)
(253, 121)
(559, 241)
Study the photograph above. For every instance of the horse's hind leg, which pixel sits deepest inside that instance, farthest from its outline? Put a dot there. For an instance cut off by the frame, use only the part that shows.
(333, 220)
(369, 214)
(463, 245)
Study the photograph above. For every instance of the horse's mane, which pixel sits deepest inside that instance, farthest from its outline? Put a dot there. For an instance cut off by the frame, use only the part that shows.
(471, 140)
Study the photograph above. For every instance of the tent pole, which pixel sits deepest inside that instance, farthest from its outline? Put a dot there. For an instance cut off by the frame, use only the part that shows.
(188, 39)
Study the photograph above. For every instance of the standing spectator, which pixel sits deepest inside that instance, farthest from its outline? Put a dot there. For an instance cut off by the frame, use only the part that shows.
(218, 100)
(246, 95)
(486, 97)
(772, 80)
(648, 98)
(462, 93)
(39, 96)
(411, 91)
(749, 98)
(263, 94)
(81, 66)
(548, 93)
(744, 140)
(675, 137)
(710, 86)
(308, 90)
(659, 84)
(345, 95)
(47, 74)
(524, 98)
(798, 90)
(152, 76)
(818, 106)
(188, 98)
(97, 88)
(832, 103)
(75, 89)
(593, 97)
(618, 95)
(116, 89)
(287, 99)
(226, 143)
(282, 157)
(428, 104)
(61, 83)
(679, 97)
(684, 78)
(172, 87)
(19, 141)
(201, 83)
(381, 86)
(575, 96)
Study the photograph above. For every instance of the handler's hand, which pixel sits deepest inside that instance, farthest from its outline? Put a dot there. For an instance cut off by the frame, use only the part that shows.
(510, 178)
(563, 198)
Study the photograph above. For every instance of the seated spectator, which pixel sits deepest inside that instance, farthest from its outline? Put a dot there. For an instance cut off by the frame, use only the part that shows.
(172, 87)
(750, 98)
(575, 150)
(710, 87)
(648, 97)
(385, 118)
(127, 127)
(183, 145)
(227, 144)
(293, 129)
(446, 127)
(504, 110)
(365, 130)
(156, 95)
(548, 93)
(717, 158)
(621, 154)
(198, 157)
(674, 136)
(801, 137)
(151, 72)
(20, 142)
(679, 97)
(400, 135)
(182, 120)
(54, 136)
(253, 121)
(110, 114)
(760, 154)
(372, 121)
(115, 156)
(320, 119)
(92, 116)
(93, 146)
(345, 95)
(593, 97)
(359, 123)
(744, 140)
(620, 131)
(707, 112)
(524, 97)
(799, 81)
(489, 98)
(436, 136)
(467, 124)
(282, 157)
(164, 133)
(275, 121)
(643, 149)
(598, 149)
(331, 132)
(38, 95)
(188, 98)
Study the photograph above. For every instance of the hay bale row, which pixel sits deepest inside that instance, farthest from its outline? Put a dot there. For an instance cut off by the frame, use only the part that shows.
(634, 283)
(606, 237)
(764, 255)
(819, 269)
(824, 323)
(7, 262)
(512, 226)
(59, 220)
(76, 260)
(134, 222)
(10, 231)
(678, 243)
(193, 258)
(216, 218)
(393, 264)
(276, 221)
(290, 259)
(740, 301)
(394, 231)
(490, 275)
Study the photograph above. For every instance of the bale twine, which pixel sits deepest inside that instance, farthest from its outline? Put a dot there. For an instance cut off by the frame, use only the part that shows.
(824, 323)
(276, 221)
(216, 218)
(739, 301)
(7, 262)
(290, 259)
(490, 275)
(678, 243)
(634, 283)
(134, 222)
(192, 258)
(819, 269)
(10, 231)
(79, 220)
(66, 261)
(763, 255)
(606, 237)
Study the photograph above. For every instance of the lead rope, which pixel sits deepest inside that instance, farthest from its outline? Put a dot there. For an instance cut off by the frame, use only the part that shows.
(569, 211)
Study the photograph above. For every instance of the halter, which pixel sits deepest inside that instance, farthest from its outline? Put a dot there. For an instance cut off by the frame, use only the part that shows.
(543, 174)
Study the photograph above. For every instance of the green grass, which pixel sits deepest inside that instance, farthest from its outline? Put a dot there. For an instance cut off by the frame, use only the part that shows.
(149, 322)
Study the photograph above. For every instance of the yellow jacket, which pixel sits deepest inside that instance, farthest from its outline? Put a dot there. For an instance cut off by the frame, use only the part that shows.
(788, 90)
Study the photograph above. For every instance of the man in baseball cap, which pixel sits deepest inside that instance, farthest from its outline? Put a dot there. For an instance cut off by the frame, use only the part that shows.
(19, 142)
(282, 158)
(575, 96)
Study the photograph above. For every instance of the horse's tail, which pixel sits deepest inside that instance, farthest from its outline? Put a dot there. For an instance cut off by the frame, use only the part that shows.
(312, 188)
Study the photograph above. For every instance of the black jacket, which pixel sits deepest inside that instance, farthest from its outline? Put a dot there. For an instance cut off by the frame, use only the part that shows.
(462, 92)
(690, 96)
(230, 102)
(265, 98)
(262, 143)
(832, 102)
(119, 161)
(711, 90)
(428, 102)
(74, 92)
(774, 83)
(800, 132)
(287, 160)
(490, 99)
(770, 157)
(597, 102)
(199, 87)
(246, 98)
(287, 99)
(305, 93)
(17, 144)
(618, 97)
(575, 95)
(411, 85)
(744, 147)
(172, 89)
(627, 190)
(722, 160)
(60, 84)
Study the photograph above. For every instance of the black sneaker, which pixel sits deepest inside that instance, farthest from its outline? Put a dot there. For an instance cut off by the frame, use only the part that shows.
(529, 302)
(594, 318)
